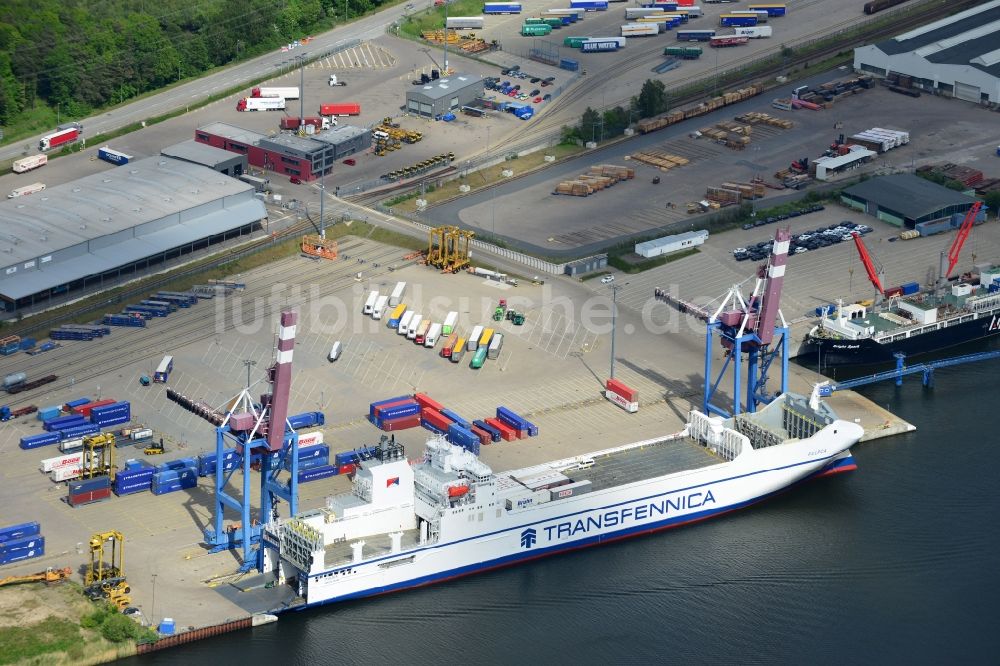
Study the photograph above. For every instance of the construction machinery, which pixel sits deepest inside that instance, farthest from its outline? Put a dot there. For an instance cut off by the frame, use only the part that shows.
(956, 245)
(448, 248)
(49, 576)
(515, 317)
(105, 576)
(315, 245)
(155, 448)
(100, 456)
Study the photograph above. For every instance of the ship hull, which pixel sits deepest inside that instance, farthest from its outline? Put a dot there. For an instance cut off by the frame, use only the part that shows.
(695, 497)
(830, 353)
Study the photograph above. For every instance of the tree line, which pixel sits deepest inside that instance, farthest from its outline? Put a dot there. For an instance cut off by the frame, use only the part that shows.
(83, 55)
(596, 126)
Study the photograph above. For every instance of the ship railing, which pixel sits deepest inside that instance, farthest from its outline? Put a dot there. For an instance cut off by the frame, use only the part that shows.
(711, 433)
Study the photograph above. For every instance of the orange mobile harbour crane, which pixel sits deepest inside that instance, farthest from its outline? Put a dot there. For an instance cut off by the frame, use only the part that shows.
(50, 576)
(911, 321)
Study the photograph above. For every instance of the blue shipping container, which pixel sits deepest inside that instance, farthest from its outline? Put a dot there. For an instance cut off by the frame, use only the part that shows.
(88, 485)
(569, 64)
(49, 413)
(27, 343)
(123, 320)
(494, 433)
(399, 398)
(430, 426)
(312, 463)
(41, 439)
(177, 464)
(77, 403)
(79, 431)
(131, 488)
(19, 531)
(307, 420)
(317, 473)
(23, 555)
(512, 419)
(398, 412)
(62, 422)
(18, 545)
(910, 288)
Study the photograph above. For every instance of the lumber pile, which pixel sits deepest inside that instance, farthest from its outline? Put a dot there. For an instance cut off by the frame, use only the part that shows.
(761, 118)
(597, 178)
(658, 158)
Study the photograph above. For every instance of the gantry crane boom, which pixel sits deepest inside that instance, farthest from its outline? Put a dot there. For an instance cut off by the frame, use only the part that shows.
(872, 266)
(963, 234)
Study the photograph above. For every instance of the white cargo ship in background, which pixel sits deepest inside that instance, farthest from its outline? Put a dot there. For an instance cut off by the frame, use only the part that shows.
(408, 524)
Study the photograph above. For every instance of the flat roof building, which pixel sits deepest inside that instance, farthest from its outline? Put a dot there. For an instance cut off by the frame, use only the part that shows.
(957, 56)
(905, 200)
(216, 159)
(305, 157)
(444, 95)
(95, 230)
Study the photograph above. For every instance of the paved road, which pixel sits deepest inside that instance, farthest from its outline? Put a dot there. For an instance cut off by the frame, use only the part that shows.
(195, 91)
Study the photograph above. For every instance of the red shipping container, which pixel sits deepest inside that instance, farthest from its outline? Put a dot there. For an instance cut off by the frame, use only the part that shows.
(506, 432)
(426, 401)
(401, 423)
(435, 418)
(624, 391)
(484, 437)
(84, 410)
(89, 496)
(347, 469)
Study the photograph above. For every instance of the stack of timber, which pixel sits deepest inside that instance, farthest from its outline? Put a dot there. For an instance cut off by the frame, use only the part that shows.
(597, 178)
(760, 118)
(658, 158)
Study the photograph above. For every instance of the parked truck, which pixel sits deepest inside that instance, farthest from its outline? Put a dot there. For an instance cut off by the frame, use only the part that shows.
(64, 134)
(341, 109)
(283, 93)
(756, 32)
(26, 190)
(261, 104)
(113, 156)
(318, 122)
(29, 163)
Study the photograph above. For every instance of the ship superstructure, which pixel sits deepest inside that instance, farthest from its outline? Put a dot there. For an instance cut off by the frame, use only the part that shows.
(410, 523)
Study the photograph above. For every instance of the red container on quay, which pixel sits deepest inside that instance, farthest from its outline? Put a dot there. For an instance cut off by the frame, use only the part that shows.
(506, 432)
(84, 410)
(350, 468)
(402, 423)
(89, 497)
(435, 418)
(484, 437)
(616, 386)
(427, 401)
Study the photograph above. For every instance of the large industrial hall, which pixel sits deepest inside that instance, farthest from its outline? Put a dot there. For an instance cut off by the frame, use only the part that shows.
(102, 228)
(957, 56)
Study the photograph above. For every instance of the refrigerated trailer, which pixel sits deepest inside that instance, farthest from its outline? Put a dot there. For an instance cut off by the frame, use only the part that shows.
(261, 104)
(64, 134)
(29, 163)
(26, 190)
(283, 93)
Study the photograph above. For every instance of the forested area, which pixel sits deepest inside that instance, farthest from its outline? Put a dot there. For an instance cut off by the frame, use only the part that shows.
(80, 55)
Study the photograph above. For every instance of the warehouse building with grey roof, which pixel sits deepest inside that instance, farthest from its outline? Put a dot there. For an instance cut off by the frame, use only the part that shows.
(905, 200)
(957, 56)
(95, 232)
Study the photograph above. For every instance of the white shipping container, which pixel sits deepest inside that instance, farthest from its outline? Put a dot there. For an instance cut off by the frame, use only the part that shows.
(310, 438)
(370, 303)
(638, 12)
(640, 29)
(66, 473)
(433, 333)
(397, 294)
(71, 444)
(496, 344)
(72, 459)
(755, 32)
(477, 333)
(404, 323)
(26, 190)
(449, 322)
(29, 163)
(631, 407)
(379, 307)
(144, 433)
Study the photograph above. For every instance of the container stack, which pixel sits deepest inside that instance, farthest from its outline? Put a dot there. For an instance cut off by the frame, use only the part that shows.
(21, 542)
(137, 477)
(399, 413)
(175, 475)
(88, 491)
(113, 414)
(208, 462)
(623, 396)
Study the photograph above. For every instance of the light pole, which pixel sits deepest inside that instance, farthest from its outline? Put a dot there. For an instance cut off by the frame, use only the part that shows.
(152, 610)
(614, 312)
(249, 363)
(301, 58)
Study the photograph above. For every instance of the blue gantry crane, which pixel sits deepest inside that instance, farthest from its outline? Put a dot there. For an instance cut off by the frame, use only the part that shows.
(260, 441)
(748, 331)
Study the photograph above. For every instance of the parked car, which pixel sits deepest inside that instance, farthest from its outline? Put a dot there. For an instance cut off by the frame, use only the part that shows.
(350, 161)
(608, 279)
(295, 180)
(535, 80)
(547, 97)
(534, 92)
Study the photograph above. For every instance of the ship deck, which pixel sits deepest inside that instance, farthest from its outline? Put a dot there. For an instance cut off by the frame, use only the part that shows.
(376, 545)
(659, 459)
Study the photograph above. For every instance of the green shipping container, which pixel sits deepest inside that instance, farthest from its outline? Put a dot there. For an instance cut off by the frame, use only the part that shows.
(479, 358)
(534, 21)
(574, 42)
(686, 52)
(535, 30)
(553, 22)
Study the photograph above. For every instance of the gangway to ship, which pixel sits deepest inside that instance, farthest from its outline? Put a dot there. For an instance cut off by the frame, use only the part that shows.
(902, 370)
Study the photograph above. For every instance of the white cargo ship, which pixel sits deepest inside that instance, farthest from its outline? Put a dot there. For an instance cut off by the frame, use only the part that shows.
(413, 523)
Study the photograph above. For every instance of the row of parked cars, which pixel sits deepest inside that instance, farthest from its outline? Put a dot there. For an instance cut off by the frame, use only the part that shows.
(777, 218)
(805, 241)
(514, 90)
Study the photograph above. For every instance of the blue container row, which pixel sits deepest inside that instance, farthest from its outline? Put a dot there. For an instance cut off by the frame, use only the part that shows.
(41, 439)
(79, 402)
(430, 426)
(119, 412)
(457, 434)
(21, 545)
(136, 486)
(309, 452)
(317, 473)
(123, 320)
(517, 422)
(455, 417)
(11, 558)
(172, 486)
(495, 435)
(207, 462)
(313, 462)
(61, 422)
(180, 463)
(19, 531)
(183, 474)
(133, 475)
(399, 398)
(71, 334)
(398, 411)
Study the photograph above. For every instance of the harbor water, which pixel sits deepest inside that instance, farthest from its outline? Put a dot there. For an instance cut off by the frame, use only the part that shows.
(894, 563)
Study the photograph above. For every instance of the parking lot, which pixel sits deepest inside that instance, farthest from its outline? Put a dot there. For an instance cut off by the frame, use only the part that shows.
(802, 242)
